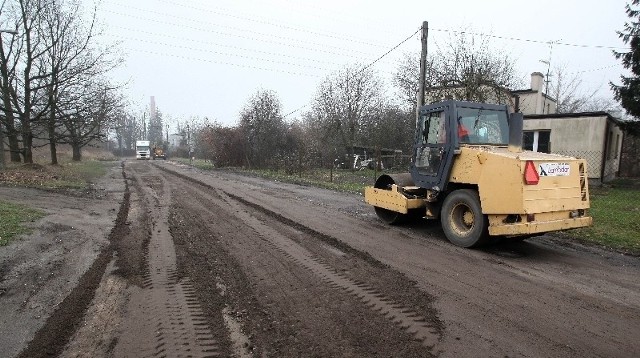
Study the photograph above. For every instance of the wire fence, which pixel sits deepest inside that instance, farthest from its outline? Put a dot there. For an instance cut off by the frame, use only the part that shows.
(614, 201)
(601, 167)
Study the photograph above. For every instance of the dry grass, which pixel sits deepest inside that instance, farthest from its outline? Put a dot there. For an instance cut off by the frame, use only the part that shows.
(67, 174)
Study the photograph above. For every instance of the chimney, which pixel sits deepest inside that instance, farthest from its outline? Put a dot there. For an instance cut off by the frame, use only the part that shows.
(152, 108)
(536, 81)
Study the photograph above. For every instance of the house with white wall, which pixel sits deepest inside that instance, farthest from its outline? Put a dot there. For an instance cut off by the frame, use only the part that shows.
(534, 100)
(594, 136)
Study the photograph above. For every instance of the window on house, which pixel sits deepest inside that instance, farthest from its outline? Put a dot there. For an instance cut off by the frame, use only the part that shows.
(527, 140)
(544, 142)
(537, 141)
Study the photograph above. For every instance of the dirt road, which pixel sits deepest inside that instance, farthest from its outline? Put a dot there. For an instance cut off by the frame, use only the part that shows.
(217, 264)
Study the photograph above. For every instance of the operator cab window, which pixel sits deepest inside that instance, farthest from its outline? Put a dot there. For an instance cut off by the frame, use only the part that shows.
(482, 126)
(433, 128)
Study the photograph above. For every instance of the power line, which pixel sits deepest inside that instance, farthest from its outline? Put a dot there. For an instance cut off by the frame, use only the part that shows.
(311, 59)
(596, 69)
(321, 34)
(334, 36)
(530, 40)
(388, 52)
(264, 22)
(288, 39)
(228, 54)
(366, 67)
(227, 63)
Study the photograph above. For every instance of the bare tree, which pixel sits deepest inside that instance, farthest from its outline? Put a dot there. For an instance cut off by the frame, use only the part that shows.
(569, 91)
(263, 126)
(58, 68)
(8, 64)
(224, 146)
(390, 128)
(64, 63)
(81, 101)
(155, 128)
(466, 67)
(194, 136)
(346, 102)
(407, 76)
(127, 129)
(84, 123)
(28, 100)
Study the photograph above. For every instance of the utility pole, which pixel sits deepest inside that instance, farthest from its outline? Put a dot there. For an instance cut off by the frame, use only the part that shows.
(423, 69)
(189, 144)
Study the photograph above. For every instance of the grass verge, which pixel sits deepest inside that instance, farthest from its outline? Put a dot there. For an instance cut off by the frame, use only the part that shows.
(616, 215)
(196, 163)
(68, 175)
(337, 179)
(13, 218)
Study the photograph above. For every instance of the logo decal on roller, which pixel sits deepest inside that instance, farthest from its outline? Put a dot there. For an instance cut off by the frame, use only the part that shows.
(554, 169)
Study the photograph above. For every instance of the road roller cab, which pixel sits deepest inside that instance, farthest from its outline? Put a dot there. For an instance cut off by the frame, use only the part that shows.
(468, 169)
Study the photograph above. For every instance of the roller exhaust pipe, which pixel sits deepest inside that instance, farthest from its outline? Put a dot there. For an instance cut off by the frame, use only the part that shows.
(515, 132)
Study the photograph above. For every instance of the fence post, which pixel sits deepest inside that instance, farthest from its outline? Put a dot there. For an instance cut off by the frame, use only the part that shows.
(331, 174)
(377, 164)
(300, 164)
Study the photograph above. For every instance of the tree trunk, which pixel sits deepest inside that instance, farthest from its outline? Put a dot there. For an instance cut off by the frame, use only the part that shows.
(51, 124)
(52, 143)
(77, 155)
(27, 139)
(14, 143)
(9, 121)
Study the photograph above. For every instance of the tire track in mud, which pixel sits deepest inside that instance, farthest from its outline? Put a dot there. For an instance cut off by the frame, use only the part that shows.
(52, 338)
(406, 318)
(166, 318)
(426, 330)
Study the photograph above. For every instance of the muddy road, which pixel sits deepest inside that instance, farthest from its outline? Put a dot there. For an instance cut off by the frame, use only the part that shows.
(209, 264)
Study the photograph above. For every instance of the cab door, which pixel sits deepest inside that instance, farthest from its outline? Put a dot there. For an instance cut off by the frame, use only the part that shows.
(433, 154)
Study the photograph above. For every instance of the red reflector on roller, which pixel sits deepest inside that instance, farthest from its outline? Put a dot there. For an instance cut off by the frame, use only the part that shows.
(531, 176)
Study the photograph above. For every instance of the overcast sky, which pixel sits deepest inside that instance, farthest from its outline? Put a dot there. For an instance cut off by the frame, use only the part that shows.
(206, 58)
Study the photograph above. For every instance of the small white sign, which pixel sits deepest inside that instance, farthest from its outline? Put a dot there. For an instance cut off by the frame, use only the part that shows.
(554, 169)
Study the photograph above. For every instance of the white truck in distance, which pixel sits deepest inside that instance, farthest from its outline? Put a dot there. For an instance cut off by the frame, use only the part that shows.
(143, 151)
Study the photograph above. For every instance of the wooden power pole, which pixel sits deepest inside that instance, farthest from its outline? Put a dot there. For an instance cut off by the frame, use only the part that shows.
(423, 69)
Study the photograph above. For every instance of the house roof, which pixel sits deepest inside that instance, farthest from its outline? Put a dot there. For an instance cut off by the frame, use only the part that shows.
(524, 91)
(615, 120)
(527, 91)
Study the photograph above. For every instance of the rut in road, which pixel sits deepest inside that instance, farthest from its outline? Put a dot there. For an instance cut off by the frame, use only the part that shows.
(403, 316)
(167, 320)
(297, 292)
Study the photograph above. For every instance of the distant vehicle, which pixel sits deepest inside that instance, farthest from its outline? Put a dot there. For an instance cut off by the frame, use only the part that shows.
(159, 153)
(356, 162)
(142, 150)
(371, 164)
